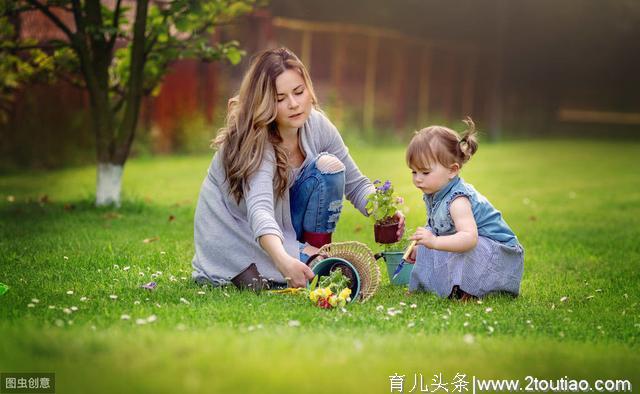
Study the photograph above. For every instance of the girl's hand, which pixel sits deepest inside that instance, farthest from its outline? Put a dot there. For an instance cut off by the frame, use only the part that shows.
(400, 217)
(411, 259)
(295, 272)
(424, 237)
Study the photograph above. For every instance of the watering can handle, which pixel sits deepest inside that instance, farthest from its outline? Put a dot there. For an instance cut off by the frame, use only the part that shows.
(377, 256)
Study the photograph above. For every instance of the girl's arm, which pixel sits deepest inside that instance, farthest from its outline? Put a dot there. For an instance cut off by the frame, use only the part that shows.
(466, 236)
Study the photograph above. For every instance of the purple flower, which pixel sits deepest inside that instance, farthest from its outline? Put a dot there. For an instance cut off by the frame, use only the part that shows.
(149, 286)
(376, 181)
(382, 204)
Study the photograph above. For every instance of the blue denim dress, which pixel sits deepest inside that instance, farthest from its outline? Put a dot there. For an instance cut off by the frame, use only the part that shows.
(496, 263)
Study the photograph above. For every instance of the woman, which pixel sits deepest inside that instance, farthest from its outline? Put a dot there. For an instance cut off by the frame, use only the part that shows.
(273, 193)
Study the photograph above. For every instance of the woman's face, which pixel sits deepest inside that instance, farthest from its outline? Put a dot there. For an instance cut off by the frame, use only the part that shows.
(294, 101)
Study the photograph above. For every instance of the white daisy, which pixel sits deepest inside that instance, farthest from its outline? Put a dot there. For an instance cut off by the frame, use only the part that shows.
(294, 323)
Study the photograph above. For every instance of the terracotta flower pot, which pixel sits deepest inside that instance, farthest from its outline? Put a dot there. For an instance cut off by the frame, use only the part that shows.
(386, 233)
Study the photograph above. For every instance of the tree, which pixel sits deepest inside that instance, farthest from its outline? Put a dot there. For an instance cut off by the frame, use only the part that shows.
(117, 61)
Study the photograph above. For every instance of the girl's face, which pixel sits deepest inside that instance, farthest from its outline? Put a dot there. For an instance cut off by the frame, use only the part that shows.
(294, 101)
(431, 180)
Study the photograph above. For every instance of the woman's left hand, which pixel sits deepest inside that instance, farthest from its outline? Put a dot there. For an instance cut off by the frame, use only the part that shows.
(400, 217)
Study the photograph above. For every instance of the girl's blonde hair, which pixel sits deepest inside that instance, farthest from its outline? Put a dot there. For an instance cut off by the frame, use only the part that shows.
(251, 124)
(442, 145)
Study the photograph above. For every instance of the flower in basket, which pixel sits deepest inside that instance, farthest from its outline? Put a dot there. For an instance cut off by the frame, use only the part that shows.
(381, 207)
(330, 291)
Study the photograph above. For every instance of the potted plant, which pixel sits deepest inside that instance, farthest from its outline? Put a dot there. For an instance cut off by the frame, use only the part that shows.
(382, 206)
(392, 255)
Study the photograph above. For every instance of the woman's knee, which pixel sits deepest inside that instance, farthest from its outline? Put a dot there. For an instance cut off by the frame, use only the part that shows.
(329, 164)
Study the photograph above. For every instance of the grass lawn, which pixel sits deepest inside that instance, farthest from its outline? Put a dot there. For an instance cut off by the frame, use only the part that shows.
(74, 274)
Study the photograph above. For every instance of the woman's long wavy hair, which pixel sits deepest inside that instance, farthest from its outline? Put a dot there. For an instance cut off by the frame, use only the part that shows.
(251, 124)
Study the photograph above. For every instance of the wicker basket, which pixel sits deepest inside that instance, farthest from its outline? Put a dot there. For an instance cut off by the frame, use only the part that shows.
(361, 257)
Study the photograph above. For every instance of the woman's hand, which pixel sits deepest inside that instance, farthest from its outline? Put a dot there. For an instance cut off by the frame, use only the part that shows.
(294, 271)
(424, 236)
(400, 216)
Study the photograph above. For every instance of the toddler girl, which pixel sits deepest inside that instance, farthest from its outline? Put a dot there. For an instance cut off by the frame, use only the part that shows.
(467, 249)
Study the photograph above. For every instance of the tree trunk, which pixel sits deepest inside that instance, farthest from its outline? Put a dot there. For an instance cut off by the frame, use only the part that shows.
(114, 140)
(124, 137)
(109, 181)
(110, 174)
(95, 58)
(94, 48)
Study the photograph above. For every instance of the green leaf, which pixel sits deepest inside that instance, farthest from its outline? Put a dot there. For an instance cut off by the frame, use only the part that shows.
(234, 56)
(3, 288)
(183, 24)
(314, 283)
(238, 8)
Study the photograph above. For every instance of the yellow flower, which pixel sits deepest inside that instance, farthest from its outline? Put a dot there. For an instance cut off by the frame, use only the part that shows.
(325, 292)
(346, 292)
(333, 300)
(313, 296)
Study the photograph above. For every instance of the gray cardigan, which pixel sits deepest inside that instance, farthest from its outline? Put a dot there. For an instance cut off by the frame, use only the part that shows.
(226, 233)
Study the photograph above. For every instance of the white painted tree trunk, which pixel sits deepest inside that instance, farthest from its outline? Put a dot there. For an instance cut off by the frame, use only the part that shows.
(108, 184)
